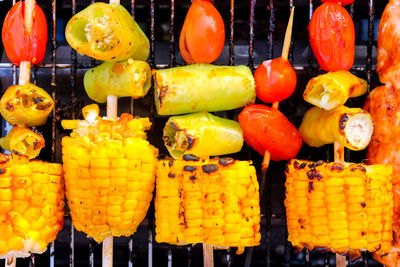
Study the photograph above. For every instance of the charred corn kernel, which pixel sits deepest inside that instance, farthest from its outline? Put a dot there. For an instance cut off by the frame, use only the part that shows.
(350, 214)
(110, 194)
(207, 201)
(332, 90)
(351, 127)
(24, 196)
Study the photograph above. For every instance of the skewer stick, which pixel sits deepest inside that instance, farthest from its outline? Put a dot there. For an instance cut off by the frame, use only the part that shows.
(285, 53)
(10, 262)
(339, 157)
(208, 255)
(25, 66)
(112, 112)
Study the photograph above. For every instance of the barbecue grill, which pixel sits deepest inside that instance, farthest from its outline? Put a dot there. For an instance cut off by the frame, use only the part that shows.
(254, 32)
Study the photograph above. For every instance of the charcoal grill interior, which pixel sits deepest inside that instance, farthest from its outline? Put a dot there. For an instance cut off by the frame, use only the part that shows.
(254, 32)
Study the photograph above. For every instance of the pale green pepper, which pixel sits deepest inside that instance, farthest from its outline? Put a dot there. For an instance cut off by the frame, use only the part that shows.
(202, 134)
(200, 87)
(107, 32)
(127, 78)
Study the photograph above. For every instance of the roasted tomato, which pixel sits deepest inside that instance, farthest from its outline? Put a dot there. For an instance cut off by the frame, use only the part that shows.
(342, 2)
(203, 33)
(20, 43)
(26, 105)
(332, 37)
(275, 80)
(267, 129)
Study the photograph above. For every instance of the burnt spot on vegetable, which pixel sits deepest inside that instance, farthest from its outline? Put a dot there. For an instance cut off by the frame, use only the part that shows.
(193, 177)
(4, 159)
(189, 168)
(209, 168)
(190, 157)
(174, 126)
(17, 92)
(363, 204)
(9, 106)
(319, 163)
(299, 166)
(190, 141)
(17, 153)
(171, 175)
(310, 187)
(363, 233)
(358, 167)
(2, 170)
(337, 167)
(313, 173)
(343, 120)
(163, 93)
(170, 163)
(226, 161)
(37, 100)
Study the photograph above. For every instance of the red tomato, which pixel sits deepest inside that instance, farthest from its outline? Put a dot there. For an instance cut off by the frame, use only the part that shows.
(21, 45)
(332, 37)
(203, 33)
(342, 2)
(267, 129)
(275, 80)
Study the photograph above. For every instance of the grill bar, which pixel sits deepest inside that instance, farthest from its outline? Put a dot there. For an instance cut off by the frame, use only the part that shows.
(251, 33)
(231, 33)
(370, 44)
(172, 36)
(271, 30)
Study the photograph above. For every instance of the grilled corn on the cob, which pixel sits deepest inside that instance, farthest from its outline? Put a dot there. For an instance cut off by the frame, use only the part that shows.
(341, 207)
(109, 173)
(212, 201)
(31, 205)
(351, 127)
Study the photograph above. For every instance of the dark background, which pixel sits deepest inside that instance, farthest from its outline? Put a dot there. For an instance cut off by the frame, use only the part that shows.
(271, 190)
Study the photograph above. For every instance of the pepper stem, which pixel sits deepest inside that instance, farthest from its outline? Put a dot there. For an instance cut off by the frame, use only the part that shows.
(288, 36)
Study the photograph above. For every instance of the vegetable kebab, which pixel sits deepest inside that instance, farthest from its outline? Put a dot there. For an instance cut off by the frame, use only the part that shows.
(31, 191)
(109, 165)
(345, 201)
(193, 203)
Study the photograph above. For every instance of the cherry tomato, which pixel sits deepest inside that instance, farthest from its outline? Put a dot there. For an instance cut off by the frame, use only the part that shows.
(203, 33)
(342, 2)
(275, 80)
(21, 45)
(332, 37)
(267, 129)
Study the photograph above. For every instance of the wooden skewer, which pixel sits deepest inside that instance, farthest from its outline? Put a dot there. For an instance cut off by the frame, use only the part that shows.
(112, 113)
(208, 255)
(285, 53)
(339, 157)
(10, 262)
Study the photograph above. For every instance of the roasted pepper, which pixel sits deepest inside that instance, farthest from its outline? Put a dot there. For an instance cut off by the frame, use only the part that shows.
(21, 43)
(26, 104)
(127, 78)
(23, 141)
(202, 87)
(267, 129)
(332, 90)
(202, 134)
(351, 127)
(107, 32)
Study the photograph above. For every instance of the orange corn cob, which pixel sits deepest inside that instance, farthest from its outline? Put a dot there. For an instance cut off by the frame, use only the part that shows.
(31, 205)
(342, 207)
(212, 201)
(109, 173)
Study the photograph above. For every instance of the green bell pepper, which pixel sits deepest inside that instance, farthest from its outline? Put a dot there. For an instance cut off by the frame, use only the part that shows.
(107, 32)
(127, 78)
(202, 134)
(200, 87)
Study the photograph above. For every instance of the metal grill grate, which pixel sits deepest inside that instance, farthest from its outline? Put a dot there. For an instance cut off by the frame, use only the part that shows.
(260, 256)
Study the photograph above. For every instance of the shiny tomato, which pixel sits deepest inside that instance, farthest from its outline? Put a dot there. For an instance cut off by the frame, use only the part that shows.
(332, 37)
(275, 80)
(267, 129)
(203, 33)
(342, 2)
(21, 44)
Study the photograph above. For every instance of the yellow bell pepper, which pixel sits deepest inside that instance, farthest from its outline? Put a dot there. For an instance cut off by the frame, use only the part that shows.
(23, 141)
(107, 32)
(27, 105)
